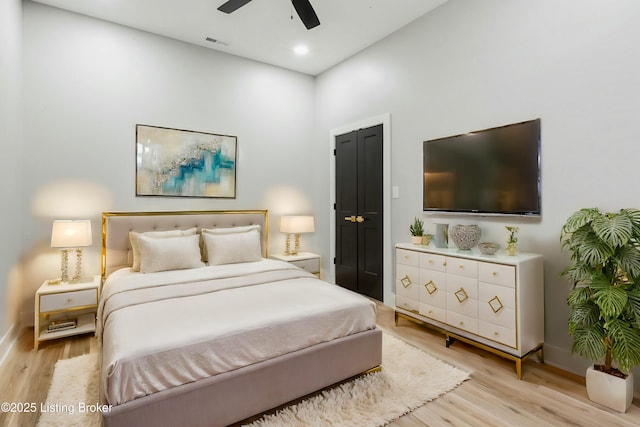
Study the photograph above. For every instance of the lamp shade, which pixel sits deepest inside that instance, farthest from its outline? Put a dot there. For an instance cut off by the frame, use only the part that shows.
(68, 233)
(297, 224)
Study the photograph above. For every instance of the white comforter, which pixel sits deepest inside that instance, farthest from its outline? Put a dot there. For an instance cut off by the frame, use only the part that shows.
(162, 330)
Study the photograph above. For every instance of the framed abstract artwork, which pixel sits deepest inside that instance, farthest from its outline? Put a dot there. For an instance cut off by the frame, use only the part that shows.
(184, 163)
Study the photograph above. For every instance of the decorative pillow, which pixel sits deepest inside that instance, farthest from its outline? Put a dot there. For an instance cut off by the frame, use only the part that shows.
(227, 230)
(135, 249)
(175, 253)
(233, 247)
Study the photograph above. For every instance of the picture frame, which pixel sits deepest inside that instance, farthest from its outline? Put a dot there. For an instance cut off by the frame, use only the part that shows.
(185, 163)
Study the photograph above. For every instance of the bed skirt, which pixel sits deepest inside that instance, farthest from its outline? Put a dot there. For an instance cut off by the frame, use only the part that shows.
(234, 396)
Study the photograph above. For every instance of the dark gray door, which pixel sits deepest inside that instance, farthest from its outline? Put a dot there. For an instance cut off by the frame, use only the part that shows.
(359, 233)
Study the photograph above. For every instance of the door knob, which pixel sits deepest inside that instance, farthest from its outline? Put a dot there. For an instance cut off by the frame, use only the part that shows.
(359, 219)
(351, 218)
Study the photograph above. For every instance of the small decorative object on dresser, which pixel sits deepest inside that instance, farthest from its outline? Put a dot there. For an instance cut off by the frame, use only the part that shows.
(305, 260)
(65, 309)
(417, 230)
(488, 248)
(496, 304)
(465, 236)
(512, 241)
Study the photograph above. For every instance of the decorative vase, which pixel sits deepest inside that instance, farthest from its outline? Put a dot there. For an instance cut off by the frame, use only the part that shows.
(512, 249)
(608, 390)
(426, 239)
(465, 236)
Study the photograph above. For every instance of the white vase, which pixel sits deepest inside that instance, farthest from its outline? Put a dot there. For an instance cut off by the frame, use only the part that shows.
(608, 390)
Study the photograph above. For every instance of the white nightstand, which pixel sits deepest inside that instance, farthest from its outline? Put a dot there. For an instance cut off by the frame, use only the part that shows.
(305, 260)
(64, 302)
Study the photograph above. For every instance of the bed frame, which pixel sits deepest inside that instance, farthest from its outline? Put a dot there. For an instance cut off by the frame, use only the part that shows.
(237, 395)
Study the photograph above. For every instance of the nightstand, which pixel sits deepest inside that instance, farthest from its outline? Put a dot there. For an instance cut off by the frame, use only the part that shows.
(305, 260)
(65, 309)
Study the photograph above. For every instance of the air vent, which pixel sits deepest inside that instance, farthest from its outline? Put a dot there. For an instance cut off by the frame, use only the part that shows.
(216, 41)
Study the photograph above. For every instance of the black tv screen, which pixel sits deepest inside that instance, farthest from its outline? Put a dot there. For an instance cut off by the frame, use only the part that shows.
(493, 171)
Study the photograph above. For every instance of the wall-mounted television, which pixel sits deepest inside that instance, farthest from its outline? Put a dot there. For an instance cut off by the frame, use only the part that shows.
(492, 172)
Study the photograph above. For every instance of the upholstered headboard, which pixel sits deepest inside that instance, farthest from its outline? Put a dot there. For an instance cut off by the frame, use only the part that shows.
(116, 248)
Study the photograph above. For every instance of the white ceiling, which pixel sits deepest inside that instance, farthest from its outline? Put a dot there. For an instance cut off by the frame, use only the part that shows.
(263, 29)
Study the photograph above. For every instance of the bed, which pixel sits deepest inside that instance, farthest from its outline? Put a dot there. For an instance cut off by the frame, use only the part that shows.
(198, 327)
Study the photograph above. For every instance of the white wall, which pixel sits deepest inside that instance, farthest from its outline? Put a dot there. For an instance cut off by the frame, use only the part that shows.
(10, 165)
(87, 84)
(471, 65)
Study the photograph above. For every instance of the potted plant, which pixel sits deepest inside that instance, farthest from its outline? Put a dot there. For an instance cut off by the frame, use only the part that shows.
(604, 301)
(417, 230)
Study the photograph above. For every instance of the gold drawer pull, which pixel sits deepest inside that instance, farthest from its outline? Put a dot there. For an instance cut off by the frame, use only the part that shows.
(430, 261)
(461, 295)
(496, 334)
(406, 281)
(495, 274)
(430, 287)
(69, 300)
(461, 323)
(495, 304)
(430, 311)
(461, 267)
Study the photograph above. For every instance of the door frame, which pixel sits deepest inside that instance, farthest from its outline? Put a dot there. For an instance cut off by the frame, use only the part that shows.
(387, 250)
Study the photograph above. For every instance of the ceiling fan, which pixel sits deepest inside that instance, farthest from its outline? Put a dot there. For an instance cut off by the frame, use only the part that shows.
(303, 8)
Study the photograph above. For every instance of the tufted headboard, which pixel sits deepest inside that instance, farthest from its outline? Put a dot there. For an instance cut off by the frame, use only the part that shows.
(116, 248)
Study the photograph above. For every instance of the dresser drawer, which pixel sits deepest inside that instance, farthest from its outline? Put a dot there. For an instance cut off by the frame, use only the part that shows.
(67, 300)
(497, 333)
(433, 312)
(433, 262)
(407, 303)
(503, 275)
(408, 281)
(459, 304)
(463, 322)
(462, 267)
(406, 257)
(468, 284)
(310, 265)
(433, 287)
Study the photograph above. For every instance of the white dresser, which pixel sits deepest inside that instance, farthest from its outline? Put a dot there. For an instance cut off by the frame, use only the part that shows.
(495, 302)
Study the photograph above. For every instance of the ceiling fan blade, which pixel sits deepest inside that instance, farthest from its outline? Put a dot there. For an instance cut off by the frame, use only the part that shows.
(306, 13)
(232, 5)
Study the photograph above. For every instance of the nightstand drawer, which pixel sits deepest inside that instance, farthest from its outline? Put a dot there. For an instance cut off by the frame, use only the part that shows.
(67, 300)
(310, 265)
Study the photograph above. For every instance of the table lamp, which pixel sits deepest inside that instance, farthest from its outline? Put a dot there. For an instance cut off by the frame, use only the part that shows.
(295, 225)
(71, 235)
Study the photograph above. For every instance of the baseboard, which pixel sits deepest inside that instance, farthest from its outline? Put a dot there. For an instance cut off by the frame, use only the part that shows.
(7, 342)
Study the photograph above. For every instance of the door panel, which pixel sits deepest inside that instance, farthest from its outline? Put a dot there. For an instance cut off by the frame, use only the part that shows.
(359, 234)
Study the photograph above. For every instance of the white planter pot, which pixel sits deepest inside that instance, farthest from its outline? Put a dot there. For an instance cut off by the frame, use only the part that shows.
(608, 390)
(416, 240)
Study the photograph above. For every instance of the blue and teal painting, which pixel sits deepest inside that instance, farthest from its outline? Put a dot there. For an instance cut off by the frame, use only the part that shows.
(182, 163)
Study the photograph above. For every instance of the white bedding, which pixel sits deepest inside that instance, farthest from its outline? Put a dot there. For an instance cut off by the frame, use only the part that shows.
(162, 330)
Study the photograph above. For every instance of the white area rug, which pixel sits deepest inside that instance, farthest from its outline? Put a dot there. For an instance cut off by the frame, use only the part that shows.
(409, 378)
(73, 394)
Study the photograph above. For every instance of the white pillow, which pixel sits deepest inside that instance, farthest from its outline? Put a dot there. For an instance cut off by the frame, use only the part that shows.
(233, 247)
(227, 230)
(135, 248)
(175, 253)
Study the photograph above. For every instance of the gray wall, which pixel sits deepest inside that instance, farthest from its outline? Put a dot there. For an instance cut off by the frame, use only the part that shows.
(470, 65)
(10, 164)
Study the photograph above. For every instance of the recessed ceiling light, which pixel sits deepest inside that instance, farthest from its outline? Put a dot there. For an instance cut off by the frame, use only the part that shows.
(301, 50)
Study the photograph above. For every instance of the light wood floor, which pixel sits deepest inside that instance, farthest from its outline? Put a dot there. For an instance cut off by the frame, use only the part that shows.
(492, 397)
